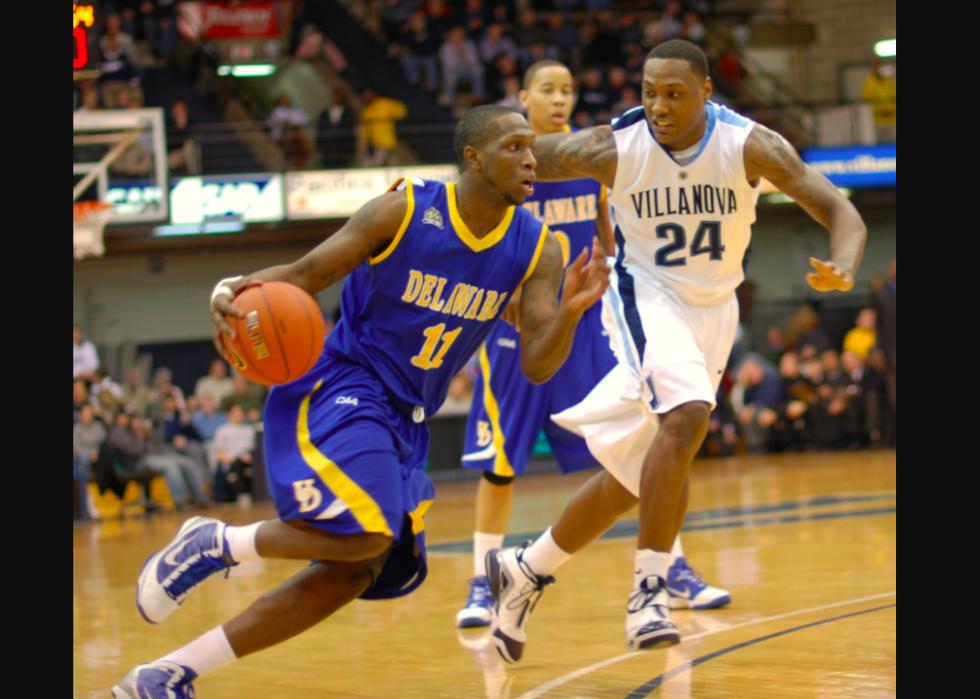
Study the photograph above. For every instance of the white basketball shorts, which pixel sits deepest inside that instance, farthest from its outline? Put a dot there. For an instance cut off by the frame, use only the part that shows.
(669, 353)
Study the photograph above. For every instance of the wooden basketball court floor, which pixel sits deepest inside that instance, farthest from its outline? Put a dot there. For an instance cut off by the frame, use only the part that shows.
(806, 543)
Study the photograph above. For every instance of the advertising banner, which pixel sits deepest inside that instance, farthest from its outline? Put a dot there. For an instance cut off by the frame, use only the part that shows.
(245, 198)
(863, 166)
(219, 20)
(340, 193)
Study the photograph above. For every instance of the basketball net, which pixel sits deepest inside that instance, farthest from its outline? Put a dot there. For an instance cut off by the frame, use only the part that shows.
(88, 226)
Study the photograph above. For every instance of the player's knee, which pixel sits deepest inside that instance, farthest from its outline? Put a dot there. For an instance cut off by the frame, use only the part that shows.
(499, 481)
(687, 425)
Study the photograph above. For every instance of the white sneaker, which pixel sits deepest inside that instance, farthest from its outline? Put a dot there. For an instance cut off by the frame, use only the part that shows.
(516, 590)
(688, 590)
(648, 624)
(160, 680)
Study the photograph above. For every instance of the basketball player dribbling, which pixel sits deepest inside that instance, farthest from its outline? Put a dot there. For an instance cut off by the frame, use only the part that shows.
(684, 178)
(432, 267)
(510, 412)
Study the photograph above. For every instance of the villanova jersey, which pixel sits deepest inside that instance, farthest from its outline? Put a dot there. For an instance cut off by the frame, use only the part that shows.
(687, 227)
(419, 311)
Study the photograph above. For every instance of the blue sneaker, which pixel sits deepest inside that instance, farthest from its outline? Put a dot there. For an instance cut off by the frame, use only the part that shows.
(199, 552)
(689, 591)
(477, 613)
(160, 680)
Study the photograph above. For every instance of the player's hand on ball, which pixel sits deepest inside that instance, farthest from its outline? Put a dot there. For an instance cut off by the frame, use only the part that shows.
(512, 314)
(221, 307)
(829, 277)
(586, 280)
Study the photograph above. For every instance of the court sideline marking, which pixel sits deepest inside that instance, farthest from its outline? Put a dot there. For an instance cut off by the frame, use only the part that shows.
(572, 676)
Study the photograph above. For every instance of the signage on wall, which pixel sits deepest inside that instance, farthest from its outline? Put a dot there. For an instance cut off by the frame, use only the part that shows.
(233, 198)
(219, 20)
(340, 193)
(863, 166)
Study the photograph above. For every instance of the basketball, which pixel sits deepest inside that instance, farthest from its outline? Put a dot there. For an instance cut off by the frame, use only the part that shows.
(281, 336)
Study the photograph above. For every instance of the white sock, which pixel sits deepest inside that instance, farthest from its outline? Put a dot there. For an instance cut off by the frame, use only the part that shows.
(210, 652)
(650, 564)
(482, 545)
(677, 553)
(545, 556)
(241, 542)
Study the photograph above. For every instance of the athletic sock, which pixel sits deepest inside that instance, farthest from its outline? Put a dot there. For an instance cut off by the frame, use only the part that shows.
(650, 564)
(545, 556)
(241, 542)
(482, 545)
(677, 553)
(210, 652)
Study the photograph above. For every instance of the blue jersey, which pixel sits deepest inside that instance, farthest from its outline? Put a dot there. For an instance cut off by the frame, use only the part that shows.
(418, 312)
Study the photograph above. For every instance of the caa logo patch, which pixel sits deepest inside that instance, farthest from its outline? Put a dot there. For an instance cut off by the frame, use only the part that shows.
(347, 401)
(434, 218)
(507, 344)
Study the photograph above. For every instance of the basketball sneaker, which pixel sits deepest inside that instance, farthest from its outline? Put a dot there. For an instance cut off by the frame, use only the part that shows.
(516, 590)
(161, 680)
(478, 610)
(170, 576)
(648, 624)
(688, 590)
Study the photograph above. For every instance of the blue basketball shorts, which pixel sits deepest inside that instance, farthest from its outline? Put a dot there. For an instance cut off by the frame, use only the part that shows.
(509, 412)
(344, 459)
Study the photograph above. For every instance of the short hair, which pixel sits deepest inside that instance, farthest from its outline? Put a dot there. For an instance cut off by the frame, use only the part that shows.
(478, 127)
(533, 71)
(683, 51)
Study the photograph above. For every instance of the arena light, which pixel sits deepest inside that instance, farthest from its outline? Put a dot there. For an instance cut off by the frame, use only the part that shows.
(258, 70)
(887, 49)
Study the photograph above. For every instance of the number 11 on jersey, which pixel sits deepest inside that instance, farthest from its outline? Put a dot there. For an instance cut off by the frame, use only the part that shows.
(433, 335)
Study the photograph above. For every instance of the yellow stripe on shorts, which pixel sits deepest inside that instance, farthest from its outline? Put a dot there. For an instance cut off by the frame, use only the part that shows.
(501, 466)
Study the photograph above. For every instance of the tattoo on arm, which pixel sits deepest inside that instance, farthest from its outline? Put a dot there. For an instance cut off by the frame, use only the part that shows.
(539, 302)
(591, 153)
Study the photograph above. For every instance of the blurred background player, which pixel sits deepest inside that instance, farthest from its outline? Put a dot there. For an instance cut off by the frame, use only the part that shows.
(684, 178)
(509, 412)
(359, 512)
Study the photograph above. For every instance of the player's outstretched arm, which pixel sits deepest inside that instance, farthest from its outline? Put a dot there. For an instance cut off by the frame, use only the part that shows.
(590, 153)
(547, 326)
(367, 234)
(769, 155)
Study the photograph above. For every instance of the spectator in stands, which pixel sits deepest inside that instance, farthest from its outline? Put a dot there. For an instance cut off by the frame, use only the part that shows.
(758, 392)
(476, 19)
(512, 94)
(88, 435)
(864, 337)
(421, 56)
(395, 15)
(886, 305)
(671, 24)
(378, 137)
(803, 333)
(163, 386)
(104, 382)
(90, 101)
(630, 33)
(217, 383)
(566, 38)
(528, 33)
(176, 433)
(605, 49)
(693, 29)
(119, 69)
(287, 124)
(595, 97)
(337, 133)
(881, 92)
(128, 439)
(460, 62)
(617, 83)
(879, 415)
(162, 26)
(84, 356)
(460, 398)
(441, 13)
(234, 443)
(181, 147)
(136, 394)
(248, 396)
(496, 43)
(629, 100)
(80, 397)
(792, 430)
(208, 418)
(504, 68)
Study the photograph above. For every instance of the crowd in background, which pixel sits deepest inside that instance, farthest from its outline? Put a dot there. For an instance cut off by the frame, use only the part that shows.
(201, 443)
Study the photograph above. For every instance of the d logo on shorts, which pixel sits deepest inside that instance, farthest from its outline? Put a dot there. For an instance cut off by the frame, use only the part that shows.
(307, 495)
(484, 434)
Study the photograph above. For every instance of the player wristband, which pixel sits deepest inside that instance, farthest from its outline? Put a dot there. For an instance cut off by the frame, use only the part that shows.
(225, 288)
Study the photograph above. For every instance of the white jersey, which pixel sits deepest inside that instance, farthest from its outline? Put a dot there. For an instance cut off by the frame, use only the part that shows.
(686, 227)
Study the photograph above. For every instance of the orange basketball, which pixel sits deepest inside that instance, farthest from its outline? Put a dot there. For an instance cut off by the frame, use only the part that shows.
(281, 336)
